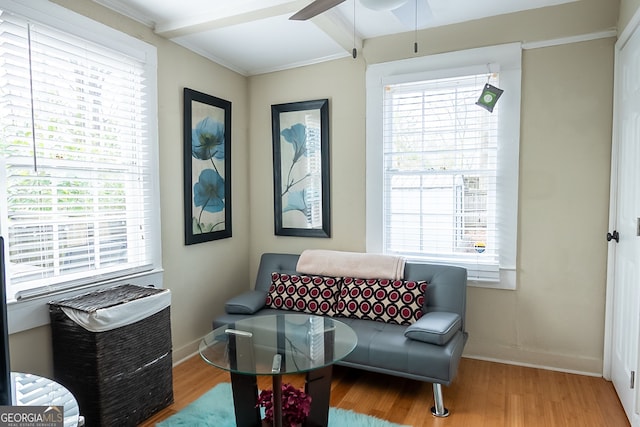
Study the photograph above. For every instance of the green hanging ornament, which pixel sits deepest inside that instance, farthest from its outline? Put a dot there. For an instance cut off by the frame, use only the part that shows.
(489, 97)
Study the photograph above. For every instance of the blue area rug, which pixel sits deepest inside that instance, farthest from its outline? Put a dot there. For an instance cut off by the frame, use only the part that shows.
(215, 409)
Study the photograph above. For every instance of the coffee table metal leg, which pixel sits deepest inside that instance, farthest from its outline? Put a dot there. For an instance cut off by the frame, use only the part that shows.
(245, 398)
(318, 386)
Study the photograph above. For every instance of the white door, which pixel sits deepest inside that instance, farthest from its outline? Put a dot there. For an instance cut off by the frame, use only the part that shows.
(625, 304)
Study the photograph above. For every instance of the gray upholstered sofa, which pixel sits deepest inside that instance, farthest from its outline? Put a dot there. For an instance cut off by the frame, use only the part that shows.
(428, 350)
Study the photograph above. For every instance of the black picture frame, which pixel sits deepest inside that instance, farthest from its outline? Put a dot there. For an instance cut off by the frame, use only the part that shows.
(301, 168)
(207, 167)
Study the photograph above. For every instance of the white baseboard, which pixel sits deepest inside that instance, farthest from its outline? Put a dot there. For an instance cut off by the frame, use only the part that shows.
(530, 365)
(531, 359)
(185, 352)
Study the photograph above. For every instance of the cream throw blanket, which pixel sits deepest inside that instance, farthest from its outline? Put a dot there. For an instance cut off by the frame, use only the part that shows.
(350, 264)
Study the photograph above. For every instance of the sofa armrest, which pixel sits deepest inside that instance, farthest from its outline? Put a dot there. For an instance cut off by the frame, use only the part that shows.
(436, 327)
(246, 303)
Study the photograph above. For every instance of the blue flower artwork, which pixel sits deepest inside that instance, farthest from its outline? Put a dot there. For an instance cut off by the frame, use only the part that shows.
(296, 202)
(206, 167)
(302, 178)
(301, 168)
(207, 144)
(209, 191)
(296, 135)
(207, 140)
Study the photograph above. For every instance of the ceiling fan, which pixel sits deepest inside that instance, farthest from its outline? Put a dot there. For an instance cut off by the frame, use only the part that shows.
(319, 6)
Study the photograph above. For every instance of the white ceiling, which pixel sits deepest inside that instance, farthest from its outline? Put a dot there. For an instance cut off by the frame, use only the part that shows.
(256, 36)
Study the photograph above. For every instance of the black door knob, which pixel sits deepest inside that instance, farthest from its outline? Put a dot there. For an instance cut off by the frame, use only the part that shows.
(613, 236)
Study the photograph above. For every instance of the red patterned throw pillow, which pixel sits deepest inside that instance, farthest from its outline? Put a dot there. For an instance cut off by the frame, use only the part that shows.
(308, 294)
(384, 300)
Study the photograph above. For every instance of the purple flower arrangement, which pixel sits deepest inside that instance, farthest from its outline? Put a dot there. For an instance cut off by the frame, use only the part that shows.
(296, 405)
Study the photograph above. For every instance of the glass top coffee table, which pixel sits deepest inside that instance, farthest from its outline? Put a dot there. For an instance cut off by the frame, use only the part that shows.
(275, 345)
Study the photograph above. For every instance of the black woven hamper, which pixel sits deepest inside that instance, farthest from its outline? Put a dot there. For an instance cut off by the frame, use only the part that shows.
(122, 376)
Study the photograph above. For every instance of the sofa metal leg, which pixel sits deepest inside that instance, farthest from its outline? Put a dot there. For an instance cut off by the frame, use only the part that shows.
(438, 410)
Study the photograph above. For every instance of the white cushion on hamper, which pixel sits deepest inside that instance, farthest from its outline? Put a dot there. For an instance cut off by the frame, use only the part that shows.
(106, 319)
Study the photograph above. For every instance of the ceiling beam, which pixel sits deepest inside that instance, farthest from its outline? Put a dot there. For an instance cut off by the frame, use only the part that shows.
(207, 22)
(333, 23)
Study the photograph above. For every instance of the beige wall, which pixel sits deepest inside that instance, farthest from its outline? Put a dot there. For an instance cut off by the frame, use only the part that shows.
(556, 316)
(342, 82)
(200, 276)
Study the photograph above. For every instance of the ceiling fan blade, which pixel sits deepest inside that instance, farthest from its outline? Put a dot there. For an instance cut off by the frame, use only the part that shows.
(315, 8)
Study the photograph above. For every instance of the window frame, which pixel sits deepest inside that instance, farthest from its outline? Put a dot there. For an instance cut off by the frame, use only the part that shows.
(33, 312)
(508, 59)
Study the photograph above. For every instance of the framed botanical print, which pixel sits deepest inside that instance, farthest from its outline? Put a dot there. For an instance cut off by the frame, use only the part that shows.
(207, 167)
(301, 168)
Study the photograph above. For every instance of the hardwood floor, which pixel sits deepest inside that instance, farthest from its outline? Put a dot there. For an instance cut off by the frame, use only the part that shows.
(484, 394)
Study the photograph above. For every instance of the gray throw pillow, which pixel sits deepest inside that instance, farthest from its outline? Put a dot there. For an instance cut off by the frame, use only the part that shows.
(246, 303)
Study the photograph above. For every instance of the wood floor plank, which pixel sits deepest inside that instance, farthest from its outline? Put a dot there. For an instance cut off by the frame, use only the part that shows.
(484, 393)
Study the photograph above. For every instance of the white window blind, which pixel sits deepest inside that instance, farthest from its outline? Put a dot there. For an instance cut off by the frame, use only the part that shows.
(442, 172)
(79, 166)
(440, 166)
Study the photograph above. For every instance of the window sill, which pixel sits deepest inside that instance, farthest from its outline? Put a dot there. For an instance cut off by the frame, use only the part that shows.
(33, 313)
(507, 281)
(493, 277)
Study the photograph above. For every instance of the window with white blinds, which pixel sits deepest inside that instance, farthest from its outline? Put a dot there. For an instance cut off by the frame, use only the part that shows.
(442, 181)
(440, 170)
(79, 157)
